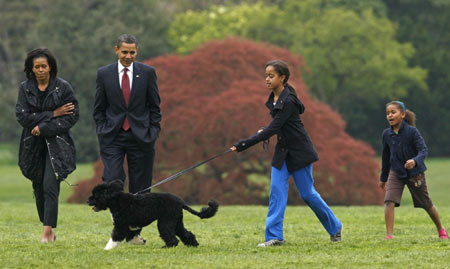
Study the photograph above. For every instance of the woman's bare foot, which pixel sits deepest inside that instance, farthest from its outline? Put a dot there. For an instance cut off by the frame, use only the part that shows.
(48, 236)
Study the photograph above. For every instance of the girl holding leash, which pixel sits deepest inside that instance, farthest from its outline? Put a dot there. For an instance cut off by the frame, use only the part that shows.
(403, 163)
(294, 155)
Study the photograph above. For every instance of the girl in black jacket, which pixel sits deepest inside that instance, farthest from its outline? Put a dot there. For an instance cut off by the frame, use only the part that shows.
(47, 109)
(294, 155)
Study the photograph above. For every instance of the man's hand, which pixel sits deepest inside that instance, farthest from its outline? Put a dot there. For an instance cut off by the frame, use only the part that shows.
(64, 110)
(233, 148)
(382, 185)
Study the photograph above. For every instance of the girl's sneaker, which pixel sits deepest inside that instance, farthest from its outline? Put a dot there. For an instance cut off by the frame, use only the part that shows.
(270, 243)
(388, 237)
(443, 234)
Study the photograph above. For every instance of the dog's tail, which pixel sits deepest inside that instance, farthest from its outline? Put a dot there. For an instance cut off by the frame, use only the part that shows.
(206, 212)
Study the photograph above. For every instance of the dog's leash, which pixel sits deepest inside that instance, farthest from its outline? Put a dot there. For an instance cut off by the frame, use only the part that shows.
(184, 171)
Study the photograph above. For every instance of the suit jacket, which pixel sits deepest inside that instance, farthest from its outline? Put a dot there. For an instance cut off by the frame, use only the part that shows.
(143, 111)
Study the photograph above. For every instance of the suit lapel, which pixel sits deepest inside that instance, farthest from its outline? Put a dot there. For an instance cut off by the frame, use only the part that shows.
(136, 79)
(115, 82)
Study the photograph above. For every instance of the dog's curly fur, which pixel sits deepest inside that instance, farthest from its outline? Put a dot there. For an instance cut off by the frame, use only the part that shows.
(132, 212)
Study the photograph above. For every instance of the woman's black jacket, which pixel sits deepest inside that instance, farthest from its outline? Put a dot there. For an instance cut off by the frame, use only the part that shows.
(55, 136)
(294, 144)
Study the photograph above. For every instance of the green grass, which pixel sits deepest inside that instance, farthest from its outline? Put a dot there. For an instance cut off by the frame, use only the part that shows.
(226, 241)
(15, 187)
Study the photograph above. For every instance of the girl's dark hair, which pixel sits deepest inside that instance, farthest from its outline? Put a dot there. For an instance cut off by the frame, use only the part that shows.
(410, 116)
(282, 69)
(39, 53)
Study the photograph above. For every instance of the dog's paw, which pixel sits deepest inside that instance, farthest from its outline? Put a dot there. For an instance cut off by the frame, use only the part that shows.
(111, 244)
(137, 240)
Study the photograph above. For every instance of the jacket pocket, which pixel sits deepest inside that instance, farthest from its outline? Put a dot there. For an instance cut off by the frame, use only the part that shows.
(62, 155)
(66, 150)
(296, 142)
(28, 142)
(31, 158)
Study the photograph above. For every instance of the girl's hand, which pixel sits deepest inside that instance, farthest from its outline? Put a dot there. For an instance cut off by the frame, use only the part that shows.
(233, 148)
(410, 164)
(382, 185)
(63, 110)
(36, 131)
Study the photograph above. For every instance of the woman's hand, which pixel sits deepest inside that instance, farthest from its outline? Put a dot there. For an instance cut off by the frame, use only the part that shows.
(410, 164)
(382, 185)
(233, 148)
(64, 110)
(36, 131)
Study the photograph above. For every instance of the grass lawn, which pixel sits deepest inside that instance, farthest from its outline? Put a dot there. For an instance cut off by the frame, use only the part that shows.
(226, 241)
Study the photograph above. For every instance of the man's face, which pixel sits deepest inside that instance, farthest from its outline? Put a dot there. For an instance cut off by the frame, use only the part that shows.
(126, 53)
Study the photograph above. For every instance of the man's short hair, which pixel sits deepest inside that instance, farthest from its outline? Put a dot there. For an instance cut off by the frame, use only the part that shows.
(126, 38)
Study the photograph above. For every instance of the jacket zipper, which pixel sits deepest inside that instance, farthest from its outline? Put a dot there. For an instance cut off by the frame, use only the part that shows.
(51, 158)
(63, 140)
(48, 95)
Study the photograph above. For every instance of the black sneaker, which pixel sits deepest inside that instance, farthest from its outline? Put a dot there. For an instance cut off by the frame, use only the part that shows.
(338, 236)
(270, 243)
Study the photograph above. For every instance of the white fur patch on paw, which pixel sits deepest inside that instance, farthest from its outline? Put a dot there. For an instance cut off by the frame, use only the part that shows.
(111, 244)
(137, 240)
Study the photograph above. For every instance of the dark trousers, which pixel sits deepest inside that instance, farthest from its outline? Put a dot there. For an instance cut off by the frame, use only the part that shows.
(46, 193)
(140, 161)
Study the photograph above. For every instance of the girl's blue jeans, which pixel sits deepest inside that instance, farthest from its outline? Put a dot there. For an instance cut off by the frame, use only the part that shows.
(304, 181)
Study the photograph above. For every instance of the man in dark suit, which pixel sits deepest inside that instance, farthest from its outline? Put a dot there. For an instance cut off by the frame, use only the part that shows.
(127, 116)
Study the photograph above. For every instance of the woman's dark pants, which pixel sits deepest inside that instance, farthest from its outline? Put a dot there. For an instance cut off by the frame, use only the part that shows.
(46, 194)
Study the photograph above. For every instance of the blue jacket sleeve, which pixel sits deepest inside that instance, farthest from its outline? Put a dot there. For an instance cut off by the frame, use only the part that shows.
(385, 160)
(422, 150)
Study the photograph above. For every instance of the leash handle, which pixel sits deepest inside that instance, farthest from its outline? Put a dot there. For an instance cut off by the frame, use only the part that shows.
(184, 171)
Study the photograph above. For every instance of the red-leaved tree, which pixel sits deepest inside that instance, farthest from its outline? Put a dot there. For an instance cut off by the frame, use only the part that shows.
(214, 97)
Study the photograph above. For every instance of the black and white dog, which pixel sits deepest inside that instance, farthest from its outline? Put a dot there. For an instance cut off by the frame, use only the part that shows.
(131, 212)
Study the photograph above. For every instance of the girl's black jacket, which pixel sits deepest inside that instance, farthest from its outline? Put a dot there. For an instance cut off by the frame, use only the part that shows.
(294, 144)
(55, 137)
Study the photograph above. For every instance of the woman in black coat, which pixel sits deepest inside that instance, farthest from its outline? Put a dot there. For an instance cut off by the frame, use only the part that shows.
(47, 109)
(294, 155)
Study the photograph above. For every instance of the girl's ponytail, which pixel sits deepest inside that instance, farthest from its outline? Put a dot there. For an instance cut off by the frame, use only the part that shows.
(290, 87)
(410, 117)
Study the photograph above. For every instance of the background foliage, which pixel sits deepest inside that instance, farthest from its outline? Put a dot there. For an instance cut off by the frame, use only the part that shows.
(358, 54)
(353, 61)
(425, 24)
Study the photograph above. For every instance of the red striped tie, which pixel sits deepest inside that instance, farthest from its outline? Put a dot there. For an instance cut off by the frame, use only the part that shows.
(126, 96)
